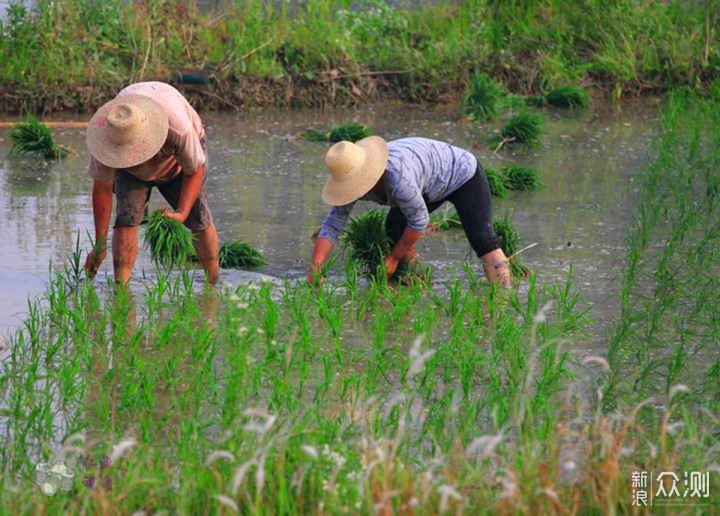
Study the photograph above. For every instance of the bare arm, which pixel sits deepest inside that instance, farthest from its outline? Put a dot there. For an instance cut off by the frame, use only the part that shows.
(404, 249)
(102, 194)
(189, 192)
(323, 248)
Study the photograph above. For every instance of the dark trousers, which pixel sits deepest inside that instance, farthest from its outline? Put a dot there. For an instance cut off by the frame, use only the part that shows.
(474, 206)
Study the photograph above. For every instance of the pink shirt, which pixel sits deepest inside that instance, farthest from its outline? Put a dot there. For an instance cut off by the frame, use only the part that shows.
(182, 151)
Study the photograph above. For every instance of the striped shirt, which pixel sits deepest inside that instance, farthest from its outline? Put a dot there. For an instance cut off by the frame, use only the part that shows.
(419, 170)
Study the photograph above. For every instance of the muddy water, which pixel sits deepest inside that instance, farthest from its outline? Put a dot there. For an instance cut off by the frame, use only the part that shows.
(265, 188)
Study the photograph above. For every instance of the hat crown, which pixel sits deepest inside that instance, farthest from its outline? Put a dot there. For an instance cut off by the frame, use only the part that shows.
(123, 121)
(344, 158)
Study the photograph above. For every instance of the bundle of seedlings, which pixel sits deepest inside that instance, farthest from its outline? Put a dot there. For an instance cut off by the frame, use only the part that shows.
(524, 128)
(351, 132)
(34, 139)
(366, 243)
(240, 255)
(169, 242)
(568, 97)
(521, 178)
(496, 181)
(510, 242)
(481, 97)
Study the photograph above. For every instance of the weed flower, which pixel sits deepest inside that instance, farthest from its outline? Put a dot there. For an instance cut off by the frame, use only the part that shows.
(219, 454)
(310, 451)
(446, 493)
(228, 502)
(418, 358)
(121, 449)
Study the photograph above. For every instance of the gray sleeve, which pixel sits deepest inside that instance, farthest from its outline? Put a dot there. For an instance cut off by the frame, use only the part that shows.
(335, 222)
(409, 199)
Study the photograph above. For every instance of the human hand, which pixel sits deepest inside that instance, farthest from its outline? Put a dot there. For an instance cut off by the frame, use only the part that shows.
(391, 265)
(175, 215)
(94, 259)
(314, 276)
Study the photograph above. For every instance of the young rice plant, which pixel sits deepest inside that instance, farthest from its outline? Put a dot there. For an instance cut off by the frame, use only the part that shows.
(169, 242)
(35, 139)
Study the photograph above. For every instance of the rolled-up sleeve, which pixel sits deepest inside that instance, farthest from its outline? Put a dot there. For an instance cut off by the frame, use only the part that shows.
(190, 154)
(100, 172)
(408, 197)
(335, 222)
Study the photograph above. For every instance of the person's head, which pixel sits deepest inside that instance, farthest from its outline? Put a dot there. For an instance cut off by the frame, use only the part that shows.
(127, 131)
(355, 168)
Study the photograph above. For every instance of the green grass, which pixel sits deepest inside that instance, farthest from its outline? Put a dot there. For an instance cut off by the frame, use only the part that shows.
(524, 128)
(351, 132)
(170, 243)
(521, 178)
(77, 54)
(34, 139)
(481, 97)
(568, 97)
(240, 255)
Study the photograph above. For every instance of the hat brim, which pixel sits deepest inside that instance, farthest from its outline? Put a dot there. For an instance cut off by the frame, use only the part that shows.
(351, 188)
(151, 133)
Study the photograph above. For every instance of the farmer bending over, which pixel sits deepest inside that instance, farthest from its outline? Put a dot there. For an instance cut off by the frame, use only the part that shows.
(414, 176)
(149, 135)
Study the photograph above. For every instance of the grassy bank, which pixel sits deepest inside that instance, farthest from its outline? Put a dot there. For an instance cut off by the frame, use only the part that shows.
(354, 397)
(76, 54)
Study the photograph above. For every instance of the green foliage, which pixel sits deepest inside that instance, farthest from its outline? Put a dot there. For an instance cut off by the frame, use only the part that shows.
(496, 181)
(520, 177)
(568, 97)
(481, 97)
(169, 242)
(444, 220)
(366, 243)
(351, 132)
(240, 255)
(510, 242)
(33, 138)
(524, 128)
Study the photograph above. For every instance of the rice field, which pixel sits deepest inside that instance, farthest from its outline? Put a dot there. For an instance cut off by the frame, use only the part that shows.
(359, 396)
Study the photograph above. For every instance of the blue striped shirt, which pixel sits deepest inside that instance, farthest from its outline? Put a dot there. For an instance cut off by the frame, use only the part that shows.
(418, 170)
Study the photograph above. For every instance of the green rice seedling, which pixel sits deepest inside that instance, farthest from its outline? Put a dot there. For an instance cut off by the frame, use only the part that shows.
(350, 132)
(568, 97)
(498, 188)
(35, 139)
(240, 255)
(510, 242)
(169, 242)
(535, 100)
(444, 220)
(367, 243)
(481, 97)
(521, 178)
(524, 128)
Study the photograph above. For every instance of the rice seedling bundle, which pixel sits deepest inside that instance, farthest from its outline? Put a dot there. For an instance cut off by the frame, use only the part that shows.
(496, 181)
(366, 243)
(442, 221)
(568, 97)
(481, 97)
(33, 138)
(240, 255)
(169, 242)
(510, 242)
(351, 132)
(524, 128)
(520, 177)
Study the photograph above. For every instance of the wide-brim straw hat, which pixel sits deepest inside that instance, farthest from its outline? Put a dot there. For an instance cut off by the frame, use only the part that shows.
(127, 131)
(354, 169)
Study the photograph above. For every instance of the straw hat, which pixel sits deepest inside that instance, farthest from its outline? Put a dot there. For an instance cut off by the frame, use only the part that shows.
(354, 169)
(127, 131)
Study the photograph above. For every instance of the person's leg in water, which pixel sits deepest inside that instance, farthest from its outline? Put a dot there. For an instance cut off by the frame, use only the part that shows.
(473, 203)
(132, 198)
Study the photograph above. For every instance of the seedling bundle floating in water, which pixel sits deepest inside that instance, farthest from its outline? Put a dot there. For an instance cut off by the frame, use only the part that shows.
(351, 132)
(521, 178)
(169, 241)
(34, 139)
(498, 188)
(240, 255)
(524, 128)
(481, 97)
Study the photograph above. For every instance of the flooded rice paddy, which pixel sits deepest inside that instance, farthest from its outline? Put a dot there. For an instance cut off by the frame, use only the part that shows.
(265, 186)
